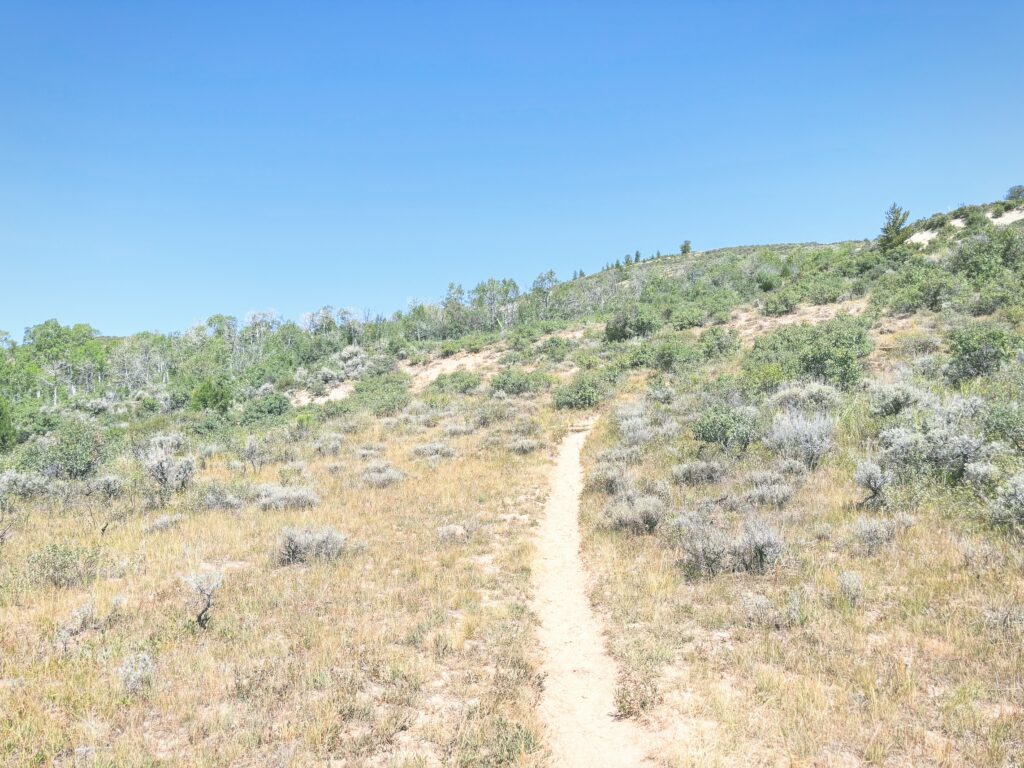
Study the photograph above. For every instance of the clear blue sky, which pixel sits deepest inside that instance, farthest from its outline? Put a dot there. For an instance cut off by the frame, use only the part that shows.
(164, 161)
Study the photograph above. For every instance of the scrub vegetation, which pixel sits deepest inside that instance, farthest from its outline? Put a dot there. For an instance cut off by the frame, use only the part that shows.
(280, 543)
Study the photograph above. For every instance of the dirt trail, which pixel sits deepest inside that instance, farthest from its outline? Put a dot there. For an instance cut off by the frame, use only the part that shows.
(577, 706)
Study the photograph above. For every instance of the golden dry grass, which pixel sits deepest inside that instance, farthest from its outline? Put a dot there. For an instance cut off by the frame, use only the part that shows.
(926, 669)
(407, 651)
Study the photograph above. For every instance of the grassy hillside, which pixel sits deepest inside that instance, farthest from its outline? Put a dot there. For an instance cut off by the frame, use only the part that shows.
(280, 544)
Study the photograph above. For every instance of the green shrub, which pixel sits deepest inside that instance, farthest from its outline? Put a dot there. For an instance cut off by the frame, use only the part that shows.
(555, 349)
(74, 451)
(687, 315)
(718, 342)
(727, 427)
(630, 323)
(516, 381)
(978, 349)
(8, 435)
(213, 395)
(586, 390)
(832, 352)
(265, 407)
(780, 303)
(456, 382)
(383, 394)
(64, 565)
(668, 354)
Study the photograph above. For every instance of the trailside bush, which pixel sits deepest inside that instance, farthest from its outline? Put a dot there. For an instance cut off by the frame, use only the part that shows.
(585, 390)
(978, 349)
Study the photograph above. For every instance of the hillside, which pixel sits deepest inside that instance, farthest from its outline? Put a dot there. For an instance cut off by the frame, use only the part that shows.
(756, 506)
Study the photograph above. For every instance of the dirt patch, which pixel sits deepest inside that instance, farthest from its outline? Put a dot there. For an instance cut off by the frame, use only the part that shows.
(301, 397)
(750, 323)
(1008, 217)
(923, 237)
(424, 374)
(579, 677)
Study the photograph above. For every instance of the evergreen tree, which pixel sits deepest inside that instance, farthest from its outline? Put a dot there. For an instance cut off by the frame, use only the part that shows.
(894, 231)
(685, 248)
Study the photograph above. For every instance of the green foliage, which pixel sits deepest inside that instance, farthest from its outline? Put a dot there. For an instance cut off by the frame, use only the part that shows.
(832, 352)
(979, 348)
(780, 303)
(1016, 192)
(629, 323)
(77, 449)
(555, 349)
(516, 381)
(456, 382)
(727, 427)
(671, 353)
(687, 315)
(8, 435)
(265, 408)
(894, 230)
(586, 390)
(919, 285)
(718, 342)
(212, 394)
(382, 394)
(64, 565)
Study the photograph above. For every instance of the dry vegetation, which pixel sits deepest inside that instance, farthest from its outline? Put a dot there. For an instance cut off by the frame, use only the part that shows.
(399, 639)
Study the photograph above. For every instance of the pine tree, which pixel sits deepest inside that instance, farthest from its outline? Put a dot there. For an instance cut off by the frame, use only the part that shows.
(894, 231)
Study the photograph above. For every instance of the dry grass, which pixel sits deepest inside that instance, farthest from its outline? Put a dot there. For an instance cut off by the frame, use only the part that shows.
(409, 650)
(923, 669)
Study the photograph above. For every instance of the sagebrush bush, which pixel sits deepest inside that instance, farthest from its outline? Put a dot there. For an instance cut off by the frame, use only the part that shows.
(434, 450)
(705, 548)
(806, 438)
(873, 534)
(171, 475)
(164, 523)
(453, 532)
(894, 399)
(458, 429)
(309, 544)
(698, 472)
(757, 548)
(807, 396)
(217, 496)
(870, 477)
(523, 445)
(380, 474)
(1008, 507)
(769, 495)
(136, 673)
(851, 587)
(608, 478)
(202, 588)
(639, 514)
(276, 497)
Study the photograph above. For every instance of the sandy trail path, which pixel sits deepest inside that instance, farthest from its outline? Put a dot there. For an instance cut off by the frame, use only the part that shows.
(577, 706)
